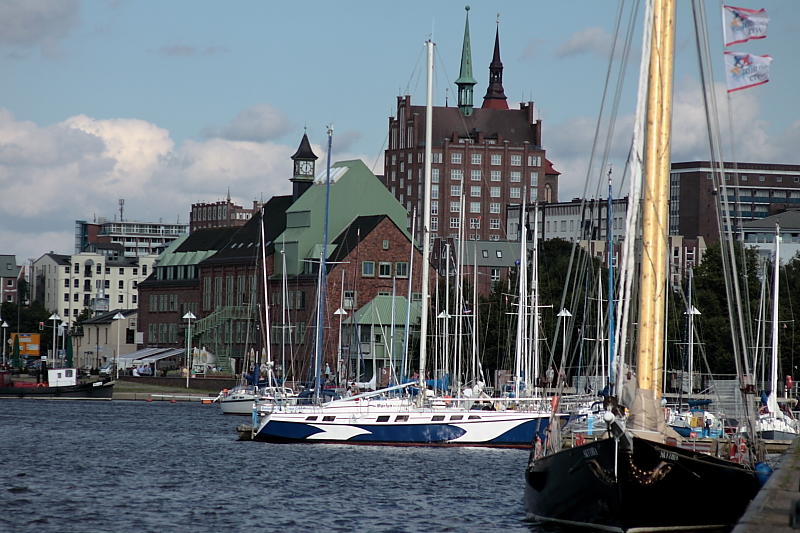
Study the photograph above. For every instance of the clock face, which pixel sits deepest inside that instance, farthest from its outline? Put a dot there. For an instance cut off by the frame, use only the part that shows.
(305, 168)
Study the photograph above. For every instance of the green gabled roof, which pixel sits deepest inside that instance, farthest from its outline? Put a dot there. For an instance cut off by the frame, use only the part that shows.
(378, 311)
(354, 192)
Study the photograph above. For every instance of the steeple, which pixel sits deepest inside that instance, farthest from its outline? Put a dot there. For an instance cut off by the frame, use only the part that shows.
(495, 96)
(465, 80)
(304, 162)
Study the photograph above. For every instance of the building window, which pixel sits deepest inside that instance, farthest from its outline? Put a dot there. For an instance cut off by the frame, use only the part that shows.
(76, 297)
(476, 159)
(384, 270)
(516, 160)
(455, 174)
(494, 192)
(499, 254)
(434, 175)
(121, 285)
(76, 283)
(495, 174)
(434, 191)
(121, 299)
(497, 159)
(106, 284)
(434, 224)
(534, 161)
(495, 274)
(437, 157)
(121, 271)
(435, 207)
(455, 158)
(455, 190)
(349, 299)
(534, 179)
(563, 226)
(455, 207)
(475, 175)
(494, 208)
(494, 223)
(513, 192)
(474, 207)
(534, 195)
(66, 296)
(515, 177)
(368, 268)
(401, 269)
(454, 223)
(475, 223)
(66, 283)
(475, 191)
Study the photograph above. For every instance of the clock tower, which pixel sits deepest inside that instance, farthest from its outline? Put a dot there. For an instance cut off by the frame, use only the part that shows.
(304, 162)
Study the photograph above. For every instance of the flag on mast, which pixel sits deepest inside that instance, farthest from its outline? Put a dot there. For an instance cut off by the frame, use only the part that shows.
(743, 71)
(740, 24)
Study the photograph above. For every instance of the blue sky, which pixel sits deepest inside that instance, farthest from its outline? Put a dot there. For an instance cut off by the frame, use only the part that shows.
(169, 103)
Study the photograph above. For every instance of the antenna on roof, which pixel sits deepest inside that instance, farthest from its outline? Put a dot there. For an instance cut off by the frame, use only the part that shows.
(121, 208)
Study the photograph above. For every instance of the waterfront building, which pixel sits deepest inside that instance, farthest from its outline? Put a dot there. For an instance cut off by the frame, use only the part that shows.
(755, 191)
(94, 343)
(137, 239)
(96, 280)
(487, 156)
(10, 275)
(221, 214)
(760, 234)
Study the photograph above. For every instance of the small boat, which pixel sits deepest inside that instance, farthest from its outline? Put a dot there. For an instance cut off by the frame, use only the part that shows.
(241, 400)
(61, 383)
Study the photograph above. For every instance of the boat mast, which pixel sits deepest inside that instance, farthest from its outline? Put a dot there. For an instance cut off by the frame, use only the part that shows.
(654, 209)
(266, 335)
(773, 378)
(426, 225)
(322, 271)
(523, 295)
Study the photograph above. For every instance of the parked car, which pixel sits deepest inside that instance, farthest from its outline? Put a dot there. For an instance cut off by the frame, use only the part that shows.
(107, 369)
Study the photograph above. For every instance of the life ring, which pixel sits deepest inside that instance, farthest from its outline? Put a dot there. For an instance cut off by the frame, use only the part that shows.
(41, 385)
(447, 400)
(580, 440)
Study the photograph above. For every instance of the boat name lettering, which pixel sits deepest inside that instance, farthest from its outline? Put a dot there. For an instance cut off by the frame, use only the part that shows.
(672, 456)
(589, 452)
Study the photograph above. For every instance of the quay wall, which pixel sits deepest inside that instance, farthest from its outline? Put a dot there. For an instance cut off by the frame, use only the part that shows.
(774, 505)
(214, 384)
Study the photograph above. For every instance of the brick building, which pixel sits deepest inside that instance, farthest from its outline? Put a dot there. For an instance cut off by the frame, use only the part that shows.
(755, 191)
(221, 214)
(489, 155)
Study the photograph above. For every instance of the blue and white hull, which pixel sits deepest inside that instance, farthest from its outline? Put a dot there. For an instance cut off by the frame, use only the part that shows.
(407, 426)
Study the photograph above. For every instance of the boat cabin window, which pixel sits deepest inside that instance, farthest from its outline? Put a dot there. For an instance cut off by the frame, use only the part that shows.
(328, 418)
(437, 418)
(401, 418)
(68, 373)
(456, 417)
(474, 417)
(383, 419)
(311, 418)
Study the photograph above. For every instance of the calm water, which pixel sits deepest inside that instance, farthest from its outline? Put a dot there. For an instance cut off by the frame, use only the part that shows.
(136, 466)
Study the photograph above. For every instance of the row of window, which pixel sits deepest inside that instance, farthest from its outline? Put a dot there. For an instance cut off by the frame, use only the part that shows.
(384, 269)
(99, 270)
(76, 297)
(100, 283)
(475, 159)
(238, 290)
(474, 223)
(291, 333)
(744, 177)
(294, 300)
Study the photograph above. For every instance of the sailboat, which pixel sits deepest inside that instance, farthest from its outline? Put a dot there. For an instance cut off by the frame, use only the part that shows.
(773, 423)
(404, 415)
(627, 481)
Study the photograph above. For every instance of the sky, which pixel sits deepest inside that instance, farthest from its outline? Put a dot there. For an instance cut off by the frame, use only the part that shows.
(164, 104)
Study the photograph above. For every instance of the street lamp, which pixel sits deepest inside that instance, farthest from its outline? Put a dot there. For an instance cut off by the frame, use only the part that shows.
(188, 316)
(564, 315)
(342, 313)
(5, 328)
(119, 316)
(55, 318)
(62, 332)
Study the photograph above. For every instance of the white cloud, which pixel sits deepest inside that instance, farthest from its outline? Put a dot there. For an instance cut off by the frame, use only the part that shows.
(259, 123)
(42, 23)
(53, 175)
(593, 40)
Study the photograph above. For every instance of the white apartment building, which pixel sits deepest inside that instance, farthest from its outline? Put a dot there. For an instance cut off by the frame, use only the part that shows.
(99, 281)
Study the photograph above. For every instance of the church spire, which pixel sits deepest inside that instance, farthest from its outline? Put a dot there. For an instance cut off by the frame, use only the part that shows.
(465, 80)
(495, 95)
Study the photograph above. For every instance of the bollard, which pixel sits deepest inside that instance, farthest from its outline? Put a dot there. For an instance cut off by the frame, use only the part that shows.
(794, 515)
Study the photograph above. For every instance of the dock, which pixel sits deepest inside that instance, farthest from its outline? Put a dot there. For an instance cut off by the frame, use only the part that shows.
(776, 507)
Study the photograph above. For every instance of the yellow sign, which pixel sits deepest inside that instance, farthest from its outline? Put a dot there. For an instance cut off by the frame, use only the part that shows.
(28, 343)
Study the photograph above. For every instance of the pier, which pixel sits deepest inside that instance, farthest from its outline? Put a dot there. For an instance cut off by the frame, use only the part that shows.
(776, 508)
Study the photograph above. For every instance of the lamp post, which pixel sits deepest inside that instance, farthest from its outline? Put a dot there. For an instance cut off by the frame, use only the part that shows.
(119, 316)
(188, 316)
(5, 328)
(62, 332)
(55, 318)
(342, 313)
(564, 315)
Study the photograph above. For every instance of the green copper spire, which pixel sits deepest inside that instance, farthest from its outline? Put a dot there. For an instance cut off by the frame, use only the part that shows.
(465, 80)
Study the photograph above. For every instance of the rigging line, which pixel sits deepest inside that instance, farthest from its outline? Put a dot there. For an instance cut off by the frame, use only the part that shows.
(589, 172)
(416, 71)
(730, 269)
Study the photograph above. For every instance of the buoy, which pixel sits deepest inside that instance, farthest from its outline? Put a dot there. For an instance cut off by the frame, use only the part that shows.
(149, 399)
(173, 400)
(206, 402)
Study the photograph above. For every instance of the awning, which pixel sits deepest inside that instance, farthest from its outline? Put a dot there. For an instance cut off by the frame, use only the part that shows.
(147, 356)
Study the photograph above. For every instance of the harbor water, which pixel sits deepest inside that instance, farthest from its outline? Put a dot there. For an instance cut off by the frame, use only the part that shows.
(93, 466)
